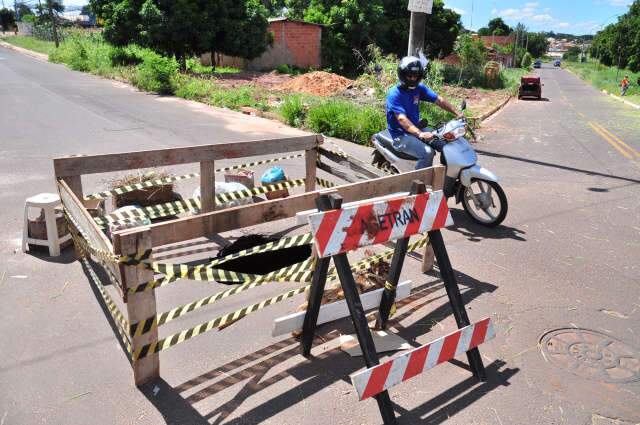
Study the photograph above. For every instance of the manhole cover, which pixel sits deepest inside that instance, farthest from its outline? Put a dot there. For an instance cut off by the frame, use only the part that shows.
(591, 354)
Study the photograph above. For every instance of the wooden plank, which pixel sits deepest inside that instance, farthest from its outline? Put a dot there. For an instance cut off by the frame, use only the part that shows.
(86, 224)
(336, 310)
(208, 186)
(352, 163)
(186, 228)
(91, 164)
(303, 216)
(140, 305)
(75, 184)
(310, 158)
(351, 178)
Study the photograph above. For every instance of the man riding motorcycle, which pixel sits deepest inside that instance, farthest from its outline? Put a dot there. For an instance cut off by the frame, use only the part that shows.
(403, 112)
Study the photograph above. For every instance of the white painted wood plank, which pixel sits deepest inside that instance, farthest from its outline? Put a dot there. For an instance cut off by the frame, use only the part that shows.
(336, 310)
(302, 216)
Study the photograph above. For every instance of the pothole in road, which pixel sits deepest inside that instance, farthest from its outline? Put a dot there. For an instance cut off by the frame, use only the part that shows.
(591, 354)
(265, 262)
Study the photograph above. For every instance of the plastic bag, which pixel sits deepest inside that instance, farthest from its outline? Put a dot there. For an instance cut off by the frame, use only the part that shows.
(273, 175)
(223, 187)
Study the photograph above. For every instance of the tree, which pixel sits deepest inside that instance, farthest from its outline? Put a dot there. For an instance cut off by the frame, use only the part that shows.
(572, 54)
(619, 44)
(354, 24)
(7, 19)
(537, 44)
(470, 51)
(495, 26)
(184, 28)
(23, 10)
(526, 61)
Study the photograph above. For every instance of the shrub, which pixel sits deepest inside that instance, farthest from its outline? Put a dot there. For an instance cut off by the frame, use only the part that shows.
(156, 73)
(346, 120)
(194, 66)
(293, 110)
(284, 69)
(126, 56)
(194, 88)
(234, 98)
(526, 61)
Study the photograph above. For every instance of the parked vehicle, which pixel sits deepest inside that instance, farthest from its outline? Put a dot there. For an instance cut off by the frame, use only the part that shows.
(530, 86)
(537, 64)
(476, 187)
(556, 63)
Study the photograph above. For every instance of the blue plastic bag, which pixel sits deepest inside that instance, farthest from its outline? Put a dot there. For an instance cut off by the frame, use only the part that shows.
(272, 175)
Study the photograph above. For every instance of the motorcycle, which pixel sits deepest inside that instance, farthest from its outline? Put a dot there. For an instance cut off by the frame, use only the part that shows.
(470, 183)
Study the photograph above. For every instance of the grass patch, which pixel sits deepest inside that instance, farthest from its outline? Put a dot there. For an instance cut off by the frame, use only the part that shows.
(226, 70)
(31, 43)
(346, 120)
(604, 78)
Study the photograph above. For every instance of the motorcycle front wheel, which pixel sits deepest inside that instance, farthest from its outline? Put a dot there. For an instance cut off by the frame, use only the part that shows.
(485, 202)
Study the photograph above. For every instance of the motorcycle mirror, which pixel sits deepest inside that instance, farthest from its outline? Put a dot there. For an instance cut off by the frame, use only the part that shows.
(463, 106)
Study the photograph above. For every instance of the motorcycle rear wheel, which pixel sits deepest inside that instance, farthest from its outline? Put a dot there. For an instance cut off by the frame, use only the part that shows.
(479, 202)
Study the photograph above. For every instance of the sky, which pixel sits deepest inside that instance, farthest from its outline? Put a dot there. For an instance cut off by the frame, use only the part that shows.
(567, 16)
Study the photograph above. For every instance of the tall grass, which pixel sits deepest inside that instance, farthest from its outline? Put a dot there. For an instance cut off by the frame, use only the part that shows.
(346, 120)
(604, 78)
(31, 43)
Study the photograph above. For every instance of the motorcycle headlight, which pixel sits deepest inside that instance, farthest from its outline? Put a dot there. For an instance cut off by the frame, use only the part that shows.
(454, 134)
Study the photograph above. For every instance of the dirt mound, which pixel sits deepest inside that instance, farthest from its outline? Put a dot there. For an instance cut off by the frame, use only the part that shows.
(319, 83)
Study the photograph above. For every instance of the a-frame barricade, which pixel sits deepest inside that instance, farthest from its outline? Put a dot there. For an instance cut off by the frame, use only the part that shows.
(338, 230)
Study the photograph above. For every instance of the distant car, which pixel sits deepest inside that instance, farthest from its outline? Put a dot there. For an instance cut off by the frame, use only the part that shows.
(537, 64)
(556, 63)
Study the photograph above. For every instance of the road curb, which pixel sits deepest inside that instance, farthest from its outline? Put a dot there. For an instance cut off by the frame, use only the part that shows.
(36, 55)
(605, 92)
(495, 109)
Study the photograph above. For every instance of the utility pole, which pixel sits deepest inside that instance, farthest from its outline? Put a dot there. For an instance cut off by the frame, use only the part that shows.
(515, 49)
(418, 24)
(53, 23)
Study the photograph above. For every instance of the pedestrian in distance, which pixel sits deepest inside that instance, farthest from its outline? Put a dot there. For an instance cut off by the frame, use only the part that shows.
(624, 85)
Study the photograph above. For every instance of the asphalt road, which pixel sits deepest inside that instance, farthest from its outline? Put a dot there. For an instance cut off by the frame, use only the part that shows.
(567, 256)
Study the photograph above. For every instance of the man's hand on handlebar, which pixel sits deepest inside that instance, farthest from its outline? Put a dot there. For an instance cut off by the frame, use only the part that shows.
(425, 136)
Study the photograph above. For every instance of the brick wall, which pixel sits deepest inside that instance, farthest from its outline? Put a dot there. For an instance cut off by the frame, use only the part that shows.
(303, 40)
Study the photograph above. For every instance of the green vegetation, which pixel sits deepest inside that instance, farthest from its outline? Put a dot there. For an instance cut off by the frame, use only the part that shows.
(182, 29)
(293, 110)
(31, 43)
(7, 19)
(604, 78)
(346, 120)
(619, 43)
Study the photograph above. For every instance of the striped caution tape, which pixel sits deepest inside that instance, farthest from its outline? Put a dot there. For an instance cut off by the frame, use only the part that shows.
(138, 186)
(118, 318)
(159, 182)
(287, 274)
(192, 204)
(187, 334)
(325, 183)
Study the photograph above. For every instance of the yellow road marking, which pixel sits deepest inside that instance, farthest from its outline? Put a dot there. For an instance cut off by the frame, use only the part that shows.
(610, 140)
(616, 138)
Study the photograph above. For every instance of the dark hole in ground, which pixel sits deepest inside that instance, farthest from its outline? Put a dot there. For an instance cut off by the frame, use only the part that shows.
(265, 262)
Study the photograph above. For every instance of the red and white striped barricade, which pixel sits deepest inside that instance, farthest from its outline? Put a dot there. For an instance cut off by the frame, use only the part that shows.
(337, 231)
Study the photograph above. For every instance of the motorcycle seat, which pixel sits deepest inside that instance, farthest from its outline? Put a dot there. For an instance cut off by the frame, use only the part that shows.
(386, 141)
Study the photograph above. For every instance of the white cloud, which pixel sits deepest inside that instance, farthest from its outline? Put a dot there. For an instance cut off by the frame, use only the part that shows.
(619, 3)
(532, 5)
(563, 25)
(459, 11)
(542, 18)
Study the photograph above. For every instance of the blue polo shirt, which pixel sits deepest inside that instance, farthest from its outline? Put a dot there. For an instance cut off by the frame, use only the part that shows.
(407, 102)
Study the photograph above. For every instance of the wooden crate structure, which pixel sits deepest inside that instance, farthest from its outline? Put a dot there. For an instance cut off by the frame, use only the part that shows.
(129, 243)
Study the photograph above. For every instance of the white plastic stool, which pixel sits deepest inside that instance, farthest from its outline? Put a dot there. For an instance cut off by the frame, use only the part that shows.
(48, 203)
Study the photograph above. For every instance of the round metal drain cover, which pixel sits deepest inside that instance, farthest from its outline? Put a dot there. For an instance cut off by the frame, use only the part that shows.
(591, 354)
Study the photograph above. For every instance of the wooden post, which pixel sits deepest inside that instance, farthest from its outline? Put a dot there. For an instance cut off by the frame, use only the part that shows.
(75, 184)
(397, 261)
(208, 186)
(140, 305)
(428, 257)
(455, 299)
(310, 158)
(417, 28)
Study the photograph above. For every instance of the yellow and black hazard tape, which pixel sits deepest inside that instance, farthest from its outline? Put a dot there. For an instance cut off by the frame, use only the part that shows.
(174, 272)
(218, 322)
(116, 314)
(137, 186)
(159, 182)
(191, 204)
(325, 183)
(296, 273)
(287, 274)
